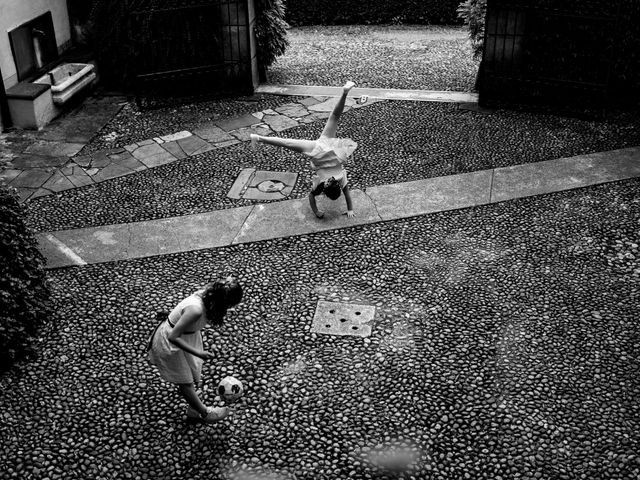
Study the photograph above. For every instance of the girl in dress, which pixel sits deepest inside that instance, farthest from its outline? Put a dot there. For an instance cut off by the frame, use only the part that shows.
(176, 348)
(327, 155)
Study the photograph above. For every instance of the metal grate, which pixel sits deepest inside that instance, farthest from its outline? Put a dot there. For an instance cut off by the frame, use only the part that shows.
(335, 318)
(186, 48)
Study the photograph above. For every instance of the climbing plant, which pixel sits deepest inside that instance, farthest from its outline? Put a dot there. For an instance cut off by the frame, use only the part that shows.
(473, 13)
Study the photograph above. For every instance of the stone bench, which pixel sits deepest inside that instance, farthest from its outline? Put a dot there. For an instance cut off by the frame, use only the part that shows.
(31, 105)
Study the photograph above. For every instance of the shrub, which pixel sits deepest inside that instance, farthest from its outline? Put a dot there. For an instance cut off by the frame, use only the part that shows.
(343, 12)
(473, 13)
(271, 30)
(24, 293)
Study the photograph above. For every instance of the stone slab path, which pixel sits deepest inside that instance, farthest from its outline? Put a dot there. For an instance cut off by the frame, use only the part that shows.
(52, 163)
(40, 162)
(294, 217)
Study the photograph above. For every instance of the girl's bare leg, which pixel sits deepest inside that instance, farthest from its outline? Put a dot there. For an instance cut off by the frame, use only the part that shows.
(188, 391)
(332, 123)
(300, 146)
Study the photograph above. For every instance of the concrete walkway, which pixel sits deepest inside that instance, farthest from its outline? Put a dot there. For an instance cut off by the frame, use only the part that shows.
(372, 93)
(294, 217)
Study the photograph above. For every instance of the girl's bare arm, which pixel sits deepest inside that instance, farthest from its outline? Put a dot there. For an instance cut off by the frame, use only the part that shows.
(187, 323)
(347, 197)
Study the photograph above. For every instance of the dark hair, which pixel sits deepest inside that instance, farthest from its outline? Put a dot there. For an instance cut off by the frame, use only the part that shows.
(218, 296)
(332, 189)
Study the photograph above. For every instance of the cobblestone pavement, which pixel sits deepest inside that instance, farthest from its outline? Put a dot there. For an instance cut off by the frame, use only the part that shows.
(503, 342)
(504, 345)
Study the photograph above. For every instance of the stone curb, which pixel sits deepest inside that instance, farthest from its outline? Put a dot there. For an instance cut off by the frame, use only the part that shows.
(294, 217)
(372, 93)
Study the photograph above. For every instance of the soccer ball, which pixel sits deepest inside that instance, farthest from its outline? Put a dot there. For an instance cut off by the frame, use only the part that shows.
(230, 389)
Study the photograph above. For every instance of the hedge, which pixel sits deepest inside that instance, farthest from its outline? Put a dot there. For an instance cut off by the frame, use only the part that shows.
(24, 293)
(344, 12)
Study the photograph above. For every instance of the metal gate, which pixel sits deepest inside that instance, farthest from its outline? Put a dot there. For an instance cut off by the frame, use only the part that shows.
(191, 47)
(550, 52)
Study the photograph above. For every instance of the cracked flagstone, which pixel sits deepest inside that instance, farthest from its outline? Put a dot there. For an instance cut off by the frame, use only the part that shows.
(54, 149)
(292, 110)
(189, 146)
(33, 178)
(57, 182)
(173, 137)
(110, 171)
(237, 122)
(213, 134)
(26, 161)
(152, 155)
(242, 134)
(279, 123)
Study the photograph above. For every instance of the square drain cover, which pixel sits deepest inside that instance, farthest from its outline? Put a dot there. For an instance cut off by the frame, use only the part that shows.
(252, 184)
(334, 318)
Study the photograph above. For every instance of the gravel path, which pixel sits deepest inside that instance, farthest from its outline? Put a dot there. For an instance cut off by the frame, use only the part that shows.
(504, 346)
(399, 142)
(409, 57)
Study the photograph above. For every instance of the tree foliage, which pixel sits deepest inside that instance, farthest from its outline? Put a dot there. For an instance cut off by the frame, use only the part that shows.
(473, 13)
(24, 293)
(271, 30)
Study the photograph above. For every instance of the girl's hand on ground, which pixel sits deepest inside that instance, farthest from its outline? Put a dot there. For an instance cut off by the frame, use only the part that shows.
(351, 213)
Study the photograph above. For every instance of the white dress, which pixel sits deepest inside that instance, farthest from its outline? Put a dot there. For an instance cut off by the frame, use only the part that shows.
(328, 157)
(174, 364)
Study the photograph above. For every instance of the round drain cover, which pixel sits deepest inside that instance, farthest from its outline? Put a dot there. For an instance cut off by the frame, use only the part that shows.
(268, 186)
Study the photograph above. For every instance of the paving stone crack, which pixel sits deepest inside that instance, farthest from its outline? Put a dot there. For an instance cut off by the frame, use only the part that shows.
(247, 184)
(493, 174)
(182, 149)
(243, 225)
(129, 239)
(178, 240)
(375, 207)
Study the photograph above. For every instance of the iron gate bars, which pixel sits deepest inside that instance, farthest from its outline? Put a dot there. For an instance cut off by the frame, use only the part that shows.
(187, 47)
(549, 52)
